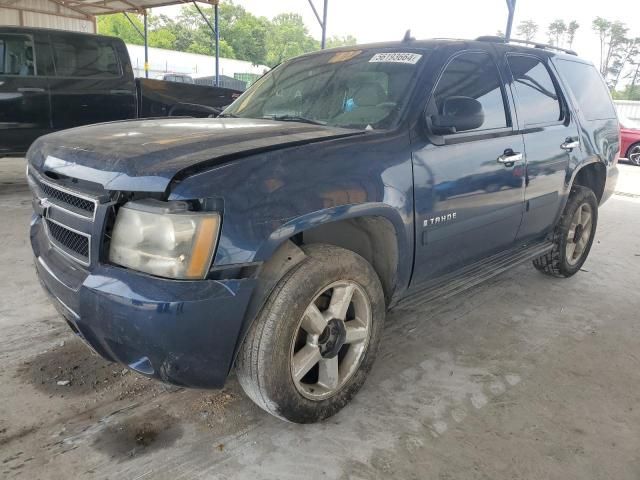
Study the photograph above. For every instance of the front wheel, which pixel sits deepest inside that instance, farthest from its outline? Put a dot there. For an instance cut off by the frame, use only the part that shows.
(311, 347)
(573, 236)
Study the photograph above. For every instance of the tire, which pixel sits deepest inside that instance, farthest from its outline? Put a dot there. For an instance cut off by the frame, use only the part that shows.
(571, 243)
(267, 364)
(633, 154)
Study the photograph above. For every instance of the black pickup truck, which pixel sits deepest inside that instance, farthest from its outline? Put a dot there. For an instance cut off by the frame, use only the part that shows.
(52, 80)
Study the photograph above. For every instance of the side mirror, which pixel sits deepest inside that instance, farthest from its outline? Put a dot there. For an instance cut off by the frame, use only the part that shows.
(459, 114)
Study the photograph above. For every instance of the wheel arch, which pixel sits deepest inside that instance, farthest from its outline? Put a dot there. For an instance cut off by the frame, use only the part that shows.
(592, 175)
(365, 229)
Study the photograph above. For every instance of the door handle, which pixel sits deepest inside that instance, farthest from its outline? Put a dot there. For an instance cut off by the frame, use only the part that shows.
(31, 90)
(509, 158)
(570, 144)
(120, 92)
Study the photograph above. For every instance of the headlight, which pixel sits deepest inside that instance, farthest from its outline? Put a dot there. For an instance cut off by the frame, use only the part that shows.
(164, 239)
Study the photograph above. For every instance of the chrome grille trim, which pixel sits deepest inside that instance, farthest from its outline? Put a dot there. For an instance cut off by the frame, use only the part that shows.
(50, 190)
(65, 249)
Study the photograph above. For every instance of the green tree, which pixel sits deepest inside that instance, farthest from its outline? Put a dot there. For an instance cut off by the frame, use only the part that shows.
(288, 37)
(161, 34)
(571, 32)
(248, 37)
(627, 54)
(242, 34)
(527, 30)
(345, 41)
(613, 48)
(556, 32)
(117, 25)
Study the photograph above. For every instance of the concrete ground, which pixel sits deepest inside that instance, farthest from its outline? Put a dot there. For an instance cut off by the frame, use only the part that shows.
(525, 377)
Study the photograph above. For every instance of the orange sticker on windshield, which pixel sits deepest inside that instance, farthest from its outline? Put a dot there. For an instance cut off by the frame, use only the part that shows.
(344, 56)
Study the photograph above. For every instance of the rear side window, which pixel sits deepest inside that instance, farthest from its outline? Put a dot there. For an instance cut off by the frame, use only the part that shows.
(17, 55)
(474, 75)
(84, 57)
(537, 94)
(588, 89)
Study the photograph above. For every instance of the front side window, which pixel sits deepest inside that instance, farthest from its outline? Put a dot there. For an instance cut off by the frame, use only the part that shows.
(84, 57)
(537, 94)
(588, 88)
(17, 55)
(471, 75)
(353, 89)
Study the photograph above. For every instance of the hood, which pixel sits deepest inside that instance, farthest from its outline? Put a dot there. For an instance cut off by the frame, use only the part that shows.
(145, 155)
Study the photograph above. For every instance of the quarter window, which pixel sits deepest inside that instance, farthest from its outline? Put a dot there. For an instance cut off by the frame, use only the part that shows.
(588, 88)
(537, 94)
(16, 55)
(474, 75)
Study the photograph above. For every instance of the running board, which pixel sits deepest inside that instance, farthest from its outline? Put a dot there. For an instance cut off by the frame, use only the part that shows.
(474, 274)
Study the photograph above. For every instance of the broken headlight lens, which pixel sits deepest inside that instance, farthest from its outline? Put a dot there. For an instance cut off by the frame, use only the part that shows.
(164, 239)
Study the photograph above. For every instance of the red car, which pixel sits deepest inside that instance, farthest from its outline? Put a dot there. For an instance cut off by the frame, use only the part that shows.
(630, 133)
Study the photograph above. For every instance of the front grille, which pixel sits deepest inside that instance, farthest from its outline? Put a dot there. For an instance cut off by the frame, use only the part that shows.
(69, 241)
(67, 217)
(65, 199)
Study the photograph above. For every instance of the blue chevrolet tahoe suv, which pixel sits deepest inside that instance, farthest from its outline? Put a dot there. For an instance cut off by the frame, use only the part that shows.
(274, 239)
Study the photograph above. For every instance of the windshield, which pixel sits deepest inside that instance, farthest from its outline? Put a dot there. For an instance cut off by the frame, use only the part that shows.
(354, 89)
(626, 122)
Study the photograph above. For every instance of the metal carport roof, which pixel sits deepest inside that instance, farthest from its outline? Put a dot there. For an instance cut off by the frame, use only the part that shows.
(105, 7)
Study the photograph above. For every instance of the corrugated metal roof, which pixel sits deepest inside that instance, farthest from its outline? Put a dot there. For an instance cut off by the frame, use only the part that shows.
(103, 7)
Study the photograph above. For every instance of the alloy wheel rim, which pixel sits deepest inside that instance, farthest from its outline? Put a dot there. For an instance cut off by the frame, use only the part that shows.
(634, 155)
(579, 233)
(331, 340)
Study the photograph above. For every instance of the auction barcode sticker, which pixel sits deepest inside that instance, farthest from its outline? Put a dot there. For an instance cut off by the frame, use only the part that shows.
(411, 58)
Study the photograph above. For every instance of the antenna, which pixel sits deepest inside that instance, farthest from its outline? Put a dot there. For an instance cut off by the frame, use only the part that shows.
(407, 36)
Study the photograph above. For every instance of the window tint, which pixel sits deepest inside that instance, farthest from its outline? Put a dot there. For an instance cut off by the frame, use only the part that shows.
(84, 57)
(588, 88)
(537, 95)
(473, 75)
(16, 55)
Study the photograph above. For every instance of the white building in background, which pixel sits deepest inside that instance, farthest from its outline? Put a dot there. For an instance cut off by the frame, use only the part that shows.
(169, 61)
(628, 108)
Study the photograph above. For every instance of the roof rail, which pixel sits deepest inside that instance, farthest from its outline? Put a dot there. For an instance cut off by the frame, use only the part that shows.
(543, 46)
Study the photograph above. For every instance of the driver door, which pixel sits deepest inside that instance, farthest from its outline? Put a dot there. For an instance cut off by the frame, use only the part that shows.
(469, 186)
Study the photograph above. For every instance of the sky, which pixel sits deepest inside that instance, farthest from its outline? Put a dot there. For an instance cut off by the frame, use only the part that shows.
(377, 20)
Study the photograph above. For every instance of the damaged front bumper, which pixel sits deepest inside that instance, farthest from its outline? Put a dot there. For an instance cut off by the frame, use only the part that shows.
(181, 332)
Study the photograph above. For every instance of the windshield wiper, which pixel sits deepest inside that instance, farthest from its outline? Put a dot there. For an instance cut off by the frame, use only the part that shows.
(228, 115)
(293, 118)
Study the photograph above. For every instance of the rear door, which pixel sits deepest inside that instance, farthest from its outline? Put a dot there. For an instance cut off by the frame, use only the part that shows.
(91, 82)
(468, 200)
(24, 94)
(550, 137)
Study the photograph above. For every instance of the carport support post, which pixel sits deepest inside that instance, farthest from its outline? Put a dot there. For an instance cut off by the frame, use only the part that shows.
(322, 21)
(217, 32)
(511, 5)
(324, 24)
(146, 46)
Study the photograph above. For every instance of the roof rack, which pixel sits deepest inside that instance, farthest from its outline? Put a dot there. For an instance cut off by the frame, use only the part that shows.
(543, 46)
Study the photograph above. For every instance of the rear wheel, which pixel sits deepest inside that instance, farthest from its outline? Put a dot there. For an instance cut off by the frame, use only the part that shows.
(573, 235)
(633, 154)
(311, 347)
